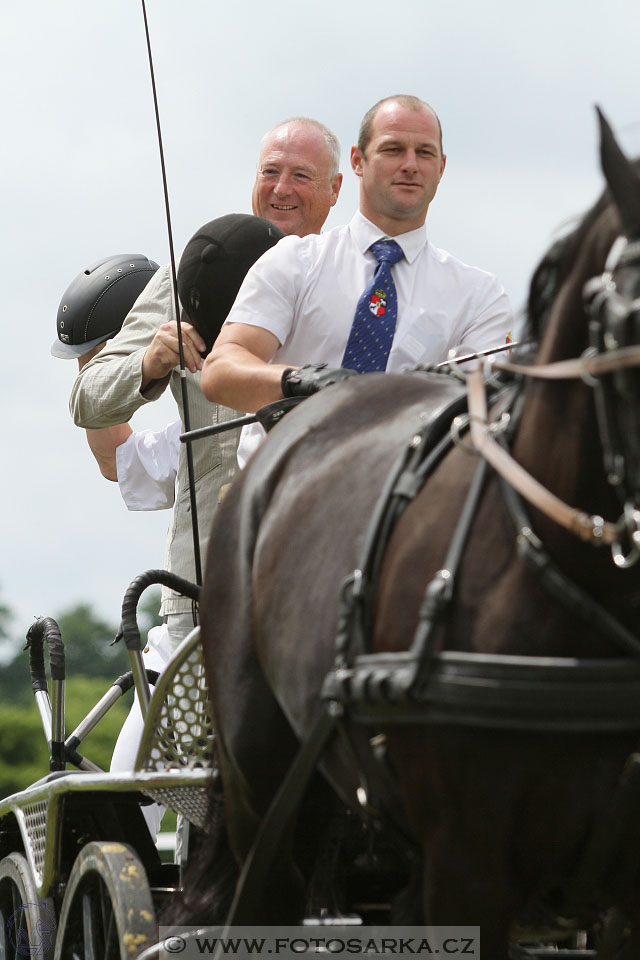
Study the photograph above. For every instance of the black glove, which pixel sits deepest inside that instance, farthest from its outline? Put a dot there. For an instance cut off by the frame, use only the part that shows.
(310, 378)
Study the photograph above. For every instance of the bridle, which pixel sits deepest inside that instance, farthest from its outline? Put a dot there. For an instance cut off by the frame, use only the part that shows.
(615, 326)
(614, 331)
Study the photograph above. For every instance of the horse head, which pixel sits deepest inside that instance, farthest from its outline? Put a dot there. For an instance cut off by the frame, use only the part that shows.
(584, 306)
(613, 305)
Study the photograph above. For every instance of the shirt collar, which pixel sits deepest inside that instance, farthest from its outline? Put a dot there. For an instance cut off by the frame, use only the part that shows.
(364, 233)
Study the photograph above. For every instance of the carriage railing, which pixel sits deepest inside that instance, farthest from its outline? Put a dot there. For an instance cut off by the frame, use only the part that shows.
(129, 631)
(64, 749)
(174, 764)
(188, 699)
(172, 767)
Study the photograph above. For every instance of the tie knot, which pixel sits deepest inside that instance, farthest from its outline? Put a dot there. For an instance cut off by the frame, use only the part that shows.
(387, 250)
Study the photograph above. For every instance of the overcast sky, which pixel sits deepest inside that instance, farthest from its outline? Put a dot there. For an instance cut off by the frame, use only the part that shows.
(514, 84)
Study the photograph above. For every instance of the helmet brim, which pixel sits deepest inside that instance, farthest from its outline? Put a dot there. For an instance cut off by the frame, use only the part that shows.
(71, 351)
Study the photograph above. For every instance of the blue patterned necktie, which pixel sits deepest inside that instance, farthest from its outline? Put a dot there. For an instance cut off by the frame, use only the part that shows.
(374, 323)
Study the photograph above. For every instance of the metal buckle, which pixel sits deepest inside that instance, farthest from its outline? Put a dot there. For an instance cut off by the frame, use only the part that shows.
(589, 354)
(458, 425)
(618, 247)
(630, 524)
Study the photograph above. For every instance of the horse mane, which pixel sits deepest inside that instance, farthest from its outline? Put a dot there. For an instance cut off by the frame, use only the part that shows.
(556, 265)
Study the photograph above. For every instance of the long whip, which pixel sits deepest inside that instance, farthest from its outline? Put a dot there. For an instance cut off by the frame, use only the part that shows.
(176, 308)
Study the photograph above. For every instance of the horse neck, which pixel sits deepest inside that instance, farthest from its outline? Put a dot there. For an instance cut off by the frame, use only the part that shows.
(557, 438)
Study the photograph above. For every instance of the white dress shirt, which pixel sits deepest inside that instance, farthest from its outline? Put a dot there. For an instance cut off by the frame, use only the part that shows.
(147, 464)
(305, 291)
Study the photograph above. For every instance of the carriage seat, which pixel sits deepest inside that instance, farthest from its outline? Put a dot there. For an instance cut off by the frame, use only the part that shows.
(178, 734)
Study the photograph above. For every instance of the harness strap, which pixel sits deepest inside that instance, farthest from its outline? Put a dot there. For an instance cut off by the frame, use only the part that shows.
(558, 585)
(590, 528)
(420, 457)
(439, 592)
(579, 368)
(278, 818)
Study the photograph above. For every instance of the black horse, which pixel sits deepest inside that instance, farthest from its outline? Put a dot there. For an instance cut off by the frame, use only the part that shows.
(505, 814)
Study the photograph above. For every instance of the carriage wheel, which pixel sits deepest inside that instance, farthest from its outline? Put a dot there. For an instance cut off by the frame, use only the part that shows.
(107, 912)
(27, 921)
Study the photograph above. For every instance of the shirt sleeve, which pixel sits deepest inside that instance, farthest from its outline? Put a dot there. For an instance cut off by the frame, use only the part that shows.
(269, 293)
(490, 321)
(147, 464)
(107, 390)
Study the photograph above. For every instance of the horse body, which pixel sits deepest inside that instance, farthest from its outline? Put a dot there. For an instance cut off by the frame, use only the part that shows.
(291, 563)
(502, 816)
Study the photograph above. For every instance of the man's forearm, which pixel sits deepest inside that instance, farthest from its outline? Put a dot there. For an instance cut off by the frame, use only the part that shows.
(236, 378)
(103, 444)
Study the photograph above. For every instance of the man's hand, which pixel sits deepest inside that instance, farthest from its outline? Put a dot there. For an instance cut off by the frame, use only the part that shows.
(162, 354)
(312, 377)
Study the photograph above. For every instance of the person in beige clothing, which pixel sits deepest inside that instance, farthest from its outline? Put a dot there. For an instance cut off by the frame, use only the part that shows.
(297, 183)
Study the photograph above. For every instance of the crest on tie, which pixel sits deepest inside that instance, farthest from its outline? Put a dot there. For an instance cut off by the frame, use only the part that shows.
(378, 303)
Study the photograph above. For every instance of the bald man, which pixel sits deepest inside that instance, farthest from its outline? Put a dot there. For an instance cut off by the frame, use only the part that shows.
(297, 181)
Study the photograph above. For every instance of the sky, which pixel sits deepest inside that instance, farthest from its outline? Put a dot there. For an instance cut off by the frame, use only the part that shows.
(514, 85)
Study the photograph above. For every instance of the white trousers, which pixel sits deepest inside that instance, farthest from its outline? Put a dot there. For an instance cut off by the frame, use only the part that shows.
(155, 656)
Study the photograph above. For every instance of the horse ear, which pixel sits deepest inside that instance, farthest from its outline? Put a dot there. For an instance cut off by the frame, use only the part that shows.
(621, 177)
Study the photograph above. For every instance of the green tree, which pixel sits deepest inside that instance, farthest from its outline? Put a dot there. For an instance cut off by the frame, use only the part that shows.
(87, 642)
(88, 638)
(5, 618)
(24, 753)
(14, 671)
(82, 693)
(87, 650)
(15, 684)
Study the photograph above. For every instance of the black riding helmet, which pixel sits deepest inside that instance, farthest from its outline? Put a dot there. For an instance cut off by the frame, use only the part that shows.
(95, 304)
(214, 264)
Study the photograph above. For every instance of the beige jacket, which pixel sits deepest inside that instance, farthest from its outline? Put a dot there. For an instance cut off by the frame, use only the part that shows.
(106, 392)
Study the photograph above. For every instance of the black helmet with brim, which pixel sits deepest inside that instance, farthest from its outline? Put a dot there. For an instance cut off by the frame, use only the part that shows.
(94, 305)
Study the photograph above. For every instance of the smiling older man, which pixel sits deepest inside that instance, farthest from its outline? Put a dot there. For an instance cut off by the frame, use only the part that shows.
(372, 295)
(297, 183)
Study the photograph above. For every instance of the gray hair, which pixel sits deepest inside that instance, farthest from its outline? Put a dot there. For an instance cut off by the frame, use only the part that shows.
(332, 142)
(405, 100)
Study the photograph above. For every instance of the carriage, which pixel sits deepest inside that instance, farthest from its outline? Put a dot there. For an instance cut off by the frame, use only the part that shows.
(80, 875)
(455, 675)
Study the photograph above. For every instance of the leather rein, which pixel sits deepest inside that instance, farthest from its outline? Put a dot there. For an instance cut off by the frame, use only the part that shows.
(600, 293)
(588, 527)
